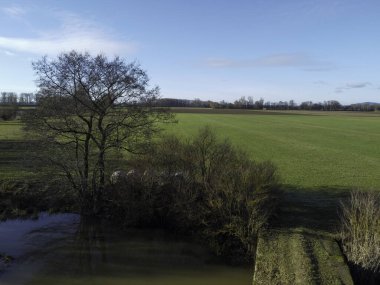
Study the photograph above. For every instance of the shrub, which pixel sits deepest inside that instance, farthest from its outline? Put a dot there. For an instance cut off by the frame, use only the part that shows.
(8, 112)
(203, 186)
(28, 198)
(360, 230)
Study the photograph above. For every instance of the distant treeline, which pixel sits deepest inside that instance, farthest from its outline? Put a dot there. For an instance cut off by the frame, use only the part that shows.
(12, 98)
(11, 101)
(249, 103)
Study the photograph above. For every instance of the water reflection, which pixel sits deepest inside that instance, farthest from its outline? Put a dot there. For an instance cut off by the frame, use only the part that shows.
(89, 249)
(69, 250)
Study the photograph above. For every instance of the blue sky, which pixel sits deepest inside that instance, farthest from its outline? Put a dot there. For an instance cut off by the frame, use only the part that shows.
(218, 50)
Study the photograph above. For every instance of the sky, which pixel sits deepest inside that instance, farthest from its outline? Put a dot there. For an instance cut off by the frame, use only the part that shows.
(209, 49)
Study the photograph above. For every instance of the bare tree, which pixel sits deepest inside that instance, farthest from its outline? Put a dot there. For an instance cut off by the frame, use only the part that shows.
(90, 107)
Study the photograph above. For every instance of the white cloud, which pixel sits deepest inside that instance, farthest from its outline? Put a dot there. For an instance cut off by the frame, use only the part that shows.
(290, 59)
(301, 60)
(352, 85)
(54, 45)
(221, 63)
(322, 67)
(73, 33)
(357, 85)
(13, 11)
(7, 52)
(321, 82)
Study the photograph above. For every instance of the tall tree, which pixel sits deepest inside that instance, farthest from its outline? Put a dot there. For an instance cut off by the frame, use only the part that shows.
(90, 107)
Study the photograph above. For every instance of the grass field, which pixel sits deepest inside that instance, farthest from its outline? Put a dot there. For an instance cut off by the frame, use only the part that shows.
(14, 162)
(313, 150)
(10, 130)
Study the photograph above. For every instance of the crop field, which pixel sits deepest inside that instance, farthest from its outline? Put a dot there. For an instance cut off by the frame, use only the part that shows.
(311, 149)
(315, 150)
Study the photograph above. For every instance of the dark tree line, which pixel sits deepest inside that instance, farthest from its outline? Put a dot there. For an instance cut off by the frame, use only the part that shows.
(10, 102)
(10, 98)
(261, 104)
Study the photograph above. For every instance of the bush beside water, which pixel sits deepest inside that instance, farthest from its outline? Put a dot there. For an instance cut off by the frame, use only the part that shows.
(202, 186)
(29, 198)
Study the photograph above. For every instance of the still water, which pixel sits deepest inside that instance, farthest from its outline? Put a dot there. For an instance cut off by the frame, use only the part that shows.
(63, 249)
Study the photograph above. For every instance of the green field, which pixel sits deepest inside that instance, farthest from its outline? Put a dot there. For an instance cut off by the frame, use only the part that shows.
(311, 150)
(14, 158)
(10, 130)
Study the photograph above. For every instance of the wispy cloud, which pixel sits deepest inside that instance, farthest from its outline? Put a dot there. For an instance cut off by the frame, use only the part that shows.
(13, 11)
(322, 67)
(7, 52)
(73, 33)
(321, 82)
(300, 60)
(352, 85)
(358, 85)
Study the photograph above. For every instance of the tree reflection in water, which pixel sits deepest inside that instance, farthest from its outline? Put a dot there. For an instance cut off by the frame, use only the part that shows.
(66, 249)
(91, 246)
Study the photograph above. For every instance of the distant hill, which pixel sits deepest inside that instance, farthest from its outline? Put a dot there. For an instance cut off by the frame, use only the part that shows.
(369, 103)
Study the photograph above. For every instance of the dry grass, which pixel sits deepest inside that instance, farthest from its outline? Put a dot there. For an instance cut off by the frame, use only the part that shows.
(360, 232)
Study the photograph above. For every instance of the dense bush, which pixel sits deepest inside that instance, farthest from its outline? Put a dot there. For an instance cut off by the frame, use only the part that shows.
(28, 198)
(203, 186)
(360, 230)
(8, 112)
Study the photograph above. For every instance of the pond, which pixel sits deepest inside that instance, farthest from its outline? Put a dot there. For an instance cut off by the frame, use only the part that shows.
(64, 249)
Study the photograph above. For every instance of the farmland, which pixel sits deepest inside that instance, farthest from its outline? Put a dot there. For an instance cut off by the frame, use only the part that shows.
(312, 150)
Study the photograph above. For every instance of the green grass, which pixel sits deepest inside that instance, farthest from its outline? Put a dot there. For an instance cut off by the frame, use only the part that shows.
(307, 259)
(14, 159)
(311, 150)
(10, 130)
(301, 245)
